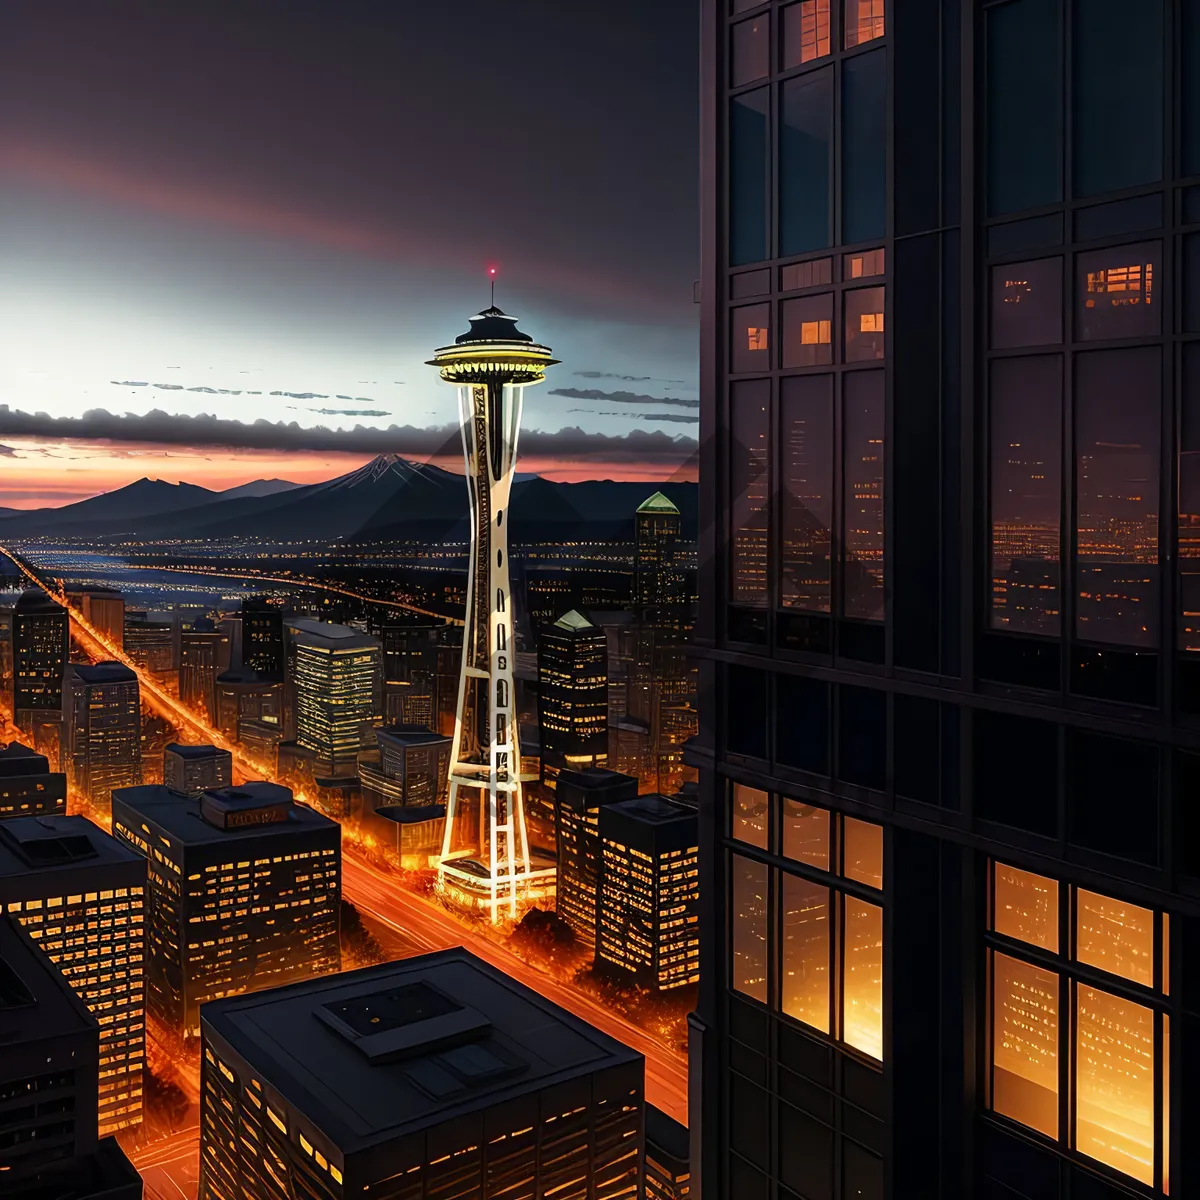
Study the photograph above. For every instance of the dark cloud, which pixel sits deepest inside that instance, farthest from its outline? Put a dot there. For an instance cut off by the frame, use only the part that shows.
(8, 452)
(622, 397)
(302, 395)
(166, 429)
(347, 412)
(655, 417)
(623, 378)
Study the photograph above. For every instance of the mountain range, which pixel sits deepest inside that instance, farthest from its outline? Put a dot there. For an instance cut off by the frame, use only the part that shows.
(388, 499)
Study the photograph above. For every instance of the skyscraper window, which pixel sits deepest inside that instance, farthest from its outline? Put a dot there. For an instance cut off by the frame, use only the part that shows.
(1119, 294)
(805, 162)
(863, 21)
(807, 459)
(1027, 304)
(807, 331)
(805, 32)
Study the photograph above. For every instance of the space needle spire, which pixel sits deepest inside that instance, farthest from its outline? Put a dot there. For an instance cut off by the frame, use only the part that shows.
(491, 365)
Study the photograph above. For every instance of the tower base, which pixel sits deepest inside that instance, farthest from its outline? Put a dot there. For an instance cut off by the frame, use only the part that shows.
(466, 884)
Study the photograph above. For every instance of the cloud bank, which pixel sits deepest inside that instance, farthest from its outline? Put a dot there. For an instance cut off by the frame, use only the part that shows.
(622, 397)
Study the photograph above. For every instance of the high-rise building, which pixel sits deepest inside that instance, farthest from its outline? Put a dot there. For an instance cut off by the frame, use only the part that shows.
(40, 645)
(247, 696)
(244, 892)
(190, 770)
(572, 695)
(102, 729)
(668, 1168)
(28, 788)
(647, 898)
(104, 609)
(949, 685)
(338, 675)
(262, 637)
(200, 645)
(79, 895)
(491, 365)
(409, 766)
(49, 1086)
(578, 799)
(461, 1082)
(658, 526)
(152, 641)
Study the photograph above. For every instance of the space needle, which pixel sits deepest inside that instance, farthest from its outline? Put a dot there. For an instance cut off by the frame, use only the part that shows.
(485, 860)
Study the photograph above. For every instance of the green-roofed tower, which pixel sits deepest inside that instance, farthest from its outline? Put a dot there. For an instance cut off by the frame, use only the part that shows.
(655, 574)
(658, 503)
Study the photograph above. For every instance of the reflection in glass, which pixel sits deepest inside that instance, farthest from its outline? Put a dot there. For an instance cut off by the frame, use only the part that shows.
(864, 324)
(806, 430)
(750, 338)
(1189, 500)
(864, 265)
(1119, 292)
(749, 406)
(1114, 1082)
(806, 834)
(862, 852)
(805, 32)
(805, 157)
(1025, 1043)
(1027, 304)
(749, 139)
(1115, 936)
(748, 821)
(1025, 906)
(862, 494)
(862, 976)
(1116, 488)
(1166, 1103)
(864, 147)
(804, 978)
(750, 58)
(748, 920)
(1025, 447)
(813, 273)
(808, 331)
(864, 21)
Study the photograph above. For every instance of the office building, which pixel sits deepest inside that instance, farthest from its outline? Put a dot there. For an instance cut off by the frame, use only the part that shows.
(578, 799)
(102, 729)
(572, 693)
(244, 892)
(668, 1170)
(48, 1086)
(104, 610)
(647, 900)
(949, 681)
(438, 1076)
(40, 647)
(262, 638)
(152, 641)
(28, 788)
(658, 527)
(200, 656)
(409, 766)
(79, 895)
(244, 696)
(338, 675)
(190, 770)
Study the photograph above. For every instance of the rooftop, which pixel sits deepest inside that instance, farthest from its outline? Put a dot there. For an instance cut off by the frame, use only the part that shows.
(104, 672)
(339, 637)
(410, 735)
(658, 503)
(573, 620)
(46, 843)
(190, 819)
(493, 325)
(373, 1055)
(653, 809)
(18, 759)
(196, 753)
(35, 999)
(36, 601)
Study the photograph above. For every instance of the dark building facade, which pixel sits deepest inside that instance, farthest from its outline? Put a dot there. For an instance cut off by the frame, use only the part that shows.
(41, 642)
(244, 892)
(949, 735)
(572, 694)
(102, 729)
(190, 770)
(409, 766)
(668, 1172)
(48, 1086)
(200, 646)
(262, 638)
(439, 1077)
(28, 788)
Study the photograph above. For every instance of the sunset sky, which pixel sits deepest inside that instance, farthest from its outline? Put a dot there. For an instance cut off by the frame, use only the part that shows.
(204, 205)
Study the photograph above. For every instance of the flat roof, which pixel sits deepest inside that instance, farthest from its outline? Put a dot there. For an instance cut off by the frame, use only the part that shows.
(18, 759)
(196, 752)
(340, 637)
(54, 843)
(653, 809)
(104, 672)
(410, 735)
(36, 1001)
(179, 816)
(373, 1055)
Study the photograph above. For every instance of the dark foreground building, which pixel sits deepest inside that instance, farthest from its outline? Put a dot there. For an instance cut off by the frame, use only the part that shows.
(244, 892)
(438, 1076)
(48, 1086)
(950, 744)
(28, 788)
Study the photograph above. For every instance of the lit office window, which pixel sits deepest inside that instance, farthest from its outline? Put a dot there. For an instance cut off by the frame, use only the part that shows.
(806, 461)
(864, 265)
(750, 348)
(1115, 936)
(806, 833)
(1025, 906)
(750, 53)
(804, 969)
(750, 816)
(1025, 1006)
(1025, 451)
(748, 920)
(863, 21)
(808, 331)
(1027, 304)
(862, 976)
(862, 494)
(805, 32)
(864, 324)
(1119, 292)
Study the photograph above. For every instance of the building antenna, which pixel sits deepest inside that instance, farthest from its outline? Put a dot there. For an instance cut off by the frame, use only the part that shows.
(492, 273)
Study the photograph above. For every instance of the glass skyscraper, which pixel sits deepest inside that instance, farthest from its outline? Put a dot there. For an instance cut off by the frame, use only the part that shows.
(950, 688)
